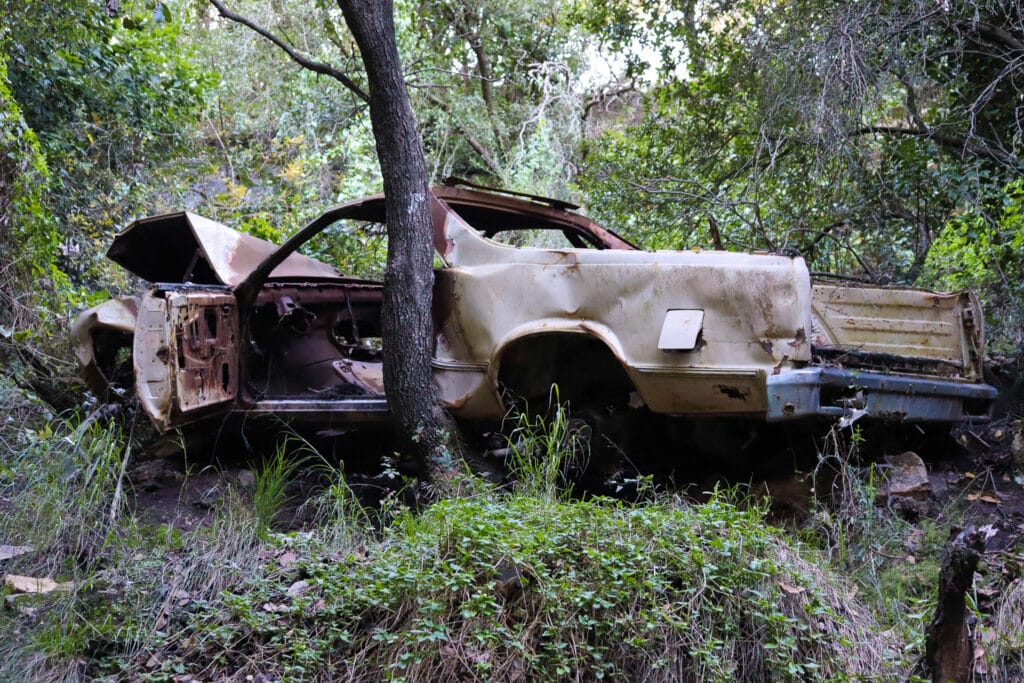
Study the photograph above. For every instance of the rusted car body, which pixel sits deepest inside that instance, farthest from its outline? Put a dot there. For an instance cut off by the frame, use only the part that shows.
(235, 325)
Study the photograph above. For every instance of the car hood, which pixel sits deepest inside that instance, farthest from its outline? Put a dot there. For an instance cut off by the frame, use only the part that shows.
(184, 247)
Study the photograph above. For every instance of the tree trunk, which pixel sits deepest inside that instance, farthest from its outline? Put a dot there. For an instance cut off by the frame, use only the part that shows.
(407, 328)
(949, 655)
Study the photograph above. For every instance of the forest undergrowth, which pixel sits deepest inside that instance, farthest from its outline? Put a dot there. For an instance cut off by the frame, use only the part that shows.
(523, 582)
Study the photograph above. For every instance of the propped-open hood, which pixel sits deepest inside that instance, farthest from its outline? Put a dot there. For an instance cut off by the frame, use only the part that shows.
(184, 247)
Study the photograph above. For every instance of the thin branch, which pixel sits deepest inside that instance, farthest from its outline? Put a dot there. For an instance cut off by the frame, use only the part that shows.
(606, 97)
(962, 144)
(477, 146)
(301, 60)
(912, 110)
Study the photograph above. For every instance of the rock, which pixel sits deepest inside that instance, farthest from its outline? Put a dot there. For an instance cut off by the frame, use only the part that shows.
(31, 584)
(246, 479)
(939, 484)
(9, 551)
(905, 476)
(206, 497)
(907, 508)
(150, 475)
(297, 588)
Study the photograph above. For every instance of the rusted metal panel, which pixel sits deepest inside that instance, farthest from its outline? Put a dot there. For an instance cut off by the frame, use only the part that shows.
(909, 330)
(756, 314)
(206, 344)
(115, 315)
(184, 247)
(152, 354)
(186, 354)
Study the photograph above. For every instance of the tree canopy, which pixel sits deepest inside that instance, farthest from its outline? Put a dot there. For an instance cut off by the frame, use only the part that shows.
(881, 141)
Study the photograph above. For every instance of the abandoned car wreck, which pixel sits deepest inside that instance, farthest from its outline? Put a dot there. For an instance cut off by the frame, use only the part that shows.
(233, 325)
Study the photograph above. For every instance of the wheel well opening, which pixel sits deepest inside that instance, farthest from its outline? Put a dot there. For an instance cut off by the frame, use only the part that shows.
(583, 367)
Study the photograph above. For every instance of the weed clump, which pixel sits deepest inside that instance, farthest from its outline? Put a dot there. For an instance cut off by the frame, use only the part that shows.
(525, 588)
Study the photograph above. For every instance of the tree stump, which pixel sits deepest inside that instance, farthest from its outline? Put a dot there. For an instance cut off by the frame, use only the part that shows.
(949, 654)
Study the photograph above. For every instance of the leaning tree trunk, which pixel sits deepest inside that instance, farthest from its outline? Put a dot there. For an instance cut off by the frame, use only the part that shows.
(408, 281)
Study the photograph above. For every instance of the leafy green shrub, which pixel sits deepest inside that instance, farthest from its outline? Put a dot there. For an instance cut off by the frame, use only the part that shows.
(983, 249)
(537, 589)
(28, 235)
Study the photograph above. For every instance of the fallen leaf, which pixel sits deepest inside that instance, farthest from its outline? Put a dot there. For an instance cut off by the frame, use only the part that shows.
(988, 593)
(983, 497)
(792, 590)
(970, 475)
(31, 584)
(287, 559)
(9, 551)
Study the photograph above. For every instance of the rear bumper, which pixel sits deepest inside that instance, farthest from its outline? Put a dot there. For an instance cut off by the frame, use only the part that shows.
(835, 392)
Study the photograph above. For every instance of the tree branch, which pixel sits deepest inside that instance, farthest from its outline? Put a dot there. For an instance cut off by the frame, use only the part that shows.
(477, 146)
(958, 143)
(992, 34)
(473, 38)
(301, 60)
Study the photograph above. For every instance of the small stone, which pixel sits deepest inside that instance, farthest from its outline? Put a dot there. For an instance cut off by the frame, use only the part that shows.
(9, 551)
(906, 476)
(246, 479)
(297, 588)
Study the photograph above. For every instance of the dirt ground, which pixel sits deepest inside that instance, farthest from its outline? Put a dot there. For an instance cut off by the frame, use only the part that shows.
(978, 472)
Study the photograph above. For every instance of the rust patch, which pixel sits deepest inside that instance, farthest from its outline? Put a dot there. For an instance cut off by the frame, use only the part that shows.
(799, 339)
(459, 402)
(733, 392)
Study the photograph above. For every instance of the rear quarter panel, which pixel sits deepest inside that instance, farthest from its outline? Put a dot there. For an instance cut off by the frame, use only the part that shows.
(757, 318)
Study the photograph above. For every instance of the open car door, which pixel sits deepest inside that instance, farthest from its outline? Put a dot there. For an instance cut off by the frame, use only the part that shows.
(186, 353)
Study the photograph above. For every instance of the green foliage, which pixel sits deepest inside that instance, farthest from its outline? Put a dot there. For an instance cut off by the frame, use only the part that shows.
(847, 133)
(479, 589)
(544, 447)
(270, 491)
(90, 105)
(63, 476)
(983, 249)
(497, 86)
(26, 230)
(109, 98)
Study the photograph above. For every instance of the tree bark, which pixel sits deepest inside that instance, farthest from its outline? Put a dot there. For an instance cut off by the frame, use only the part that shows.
(949, 655)
(407, 325)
